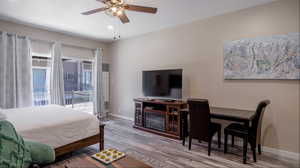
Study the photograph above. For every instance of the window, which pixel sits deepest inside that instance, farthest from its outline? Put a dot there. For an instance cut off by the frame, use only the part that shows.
(77, 81)
(87, 73)
(40, 80)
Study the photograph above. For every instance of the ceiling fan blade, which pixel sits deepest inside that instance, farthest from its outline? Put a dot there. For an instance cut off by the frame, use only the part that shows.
(124, 19)
(94, 11)
(141, 9)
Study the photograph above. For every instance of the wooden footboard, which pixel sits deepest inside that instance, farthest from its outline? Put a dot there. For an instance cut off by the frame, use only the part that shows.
(99, 138)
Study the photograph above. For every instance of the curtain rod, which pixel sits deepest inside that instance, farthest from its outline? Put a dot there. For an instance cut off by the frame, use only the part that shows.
(12, 34)
(40, 40)
(87, 48)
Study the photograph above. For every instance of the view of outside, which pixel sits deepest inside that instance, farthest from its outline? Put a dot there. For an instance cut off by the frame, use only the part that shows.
(77, 81)
(40, 89)
(40, 78)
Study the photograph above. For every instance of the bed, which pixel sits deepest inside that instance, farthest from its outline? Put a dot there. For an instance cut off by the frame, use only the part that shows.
(62, 128)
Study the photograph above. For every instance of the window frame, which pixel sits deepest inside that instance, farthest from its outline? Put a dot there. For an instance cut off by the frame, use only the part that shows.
(48, 78)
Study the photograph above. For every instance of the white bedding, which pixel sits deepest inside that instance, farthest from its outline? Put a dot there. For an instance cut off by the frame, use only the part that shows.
(2, 116)
(53, 125)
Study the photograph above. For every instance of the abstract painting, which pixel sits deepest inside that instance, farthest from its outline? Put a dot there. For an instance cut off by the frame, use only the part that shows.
(273, 57)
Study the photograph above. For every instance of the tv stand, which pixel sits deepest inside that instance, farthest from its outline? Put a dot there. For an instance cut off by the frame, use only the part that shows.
(159, 116)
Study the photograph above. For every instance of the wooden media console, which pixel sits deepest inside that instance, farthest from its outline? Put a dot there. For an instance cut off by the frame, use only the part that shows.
(161, 117)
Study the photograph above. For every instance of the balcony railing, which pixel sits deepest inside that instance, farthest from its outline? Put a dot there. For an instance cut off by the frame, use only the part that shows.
(71, 97)
(76, 97)
(78, 100)
(41, 98)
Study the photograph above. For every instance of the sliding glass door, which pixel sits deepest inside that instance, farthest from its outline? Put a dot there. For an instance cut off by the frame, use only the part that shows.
(78, 77)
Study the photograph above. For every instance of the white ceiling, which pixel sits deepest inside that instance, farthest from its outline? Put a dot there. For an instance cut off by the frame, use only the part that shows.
(64, 15)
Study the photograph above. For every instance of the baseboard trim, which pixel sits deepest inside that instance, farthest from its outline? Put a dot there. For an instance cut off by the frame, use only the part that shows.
(122, 117)
(280, 154)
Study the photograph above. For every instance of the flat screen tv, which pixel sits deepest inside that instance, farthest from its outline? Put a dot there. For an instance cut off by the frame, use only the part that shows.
(163, 83)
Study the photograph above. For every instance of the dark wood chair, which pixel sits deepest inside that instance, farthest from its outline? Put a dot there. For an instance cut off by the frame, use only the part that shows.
(249, 134)
(201, 127)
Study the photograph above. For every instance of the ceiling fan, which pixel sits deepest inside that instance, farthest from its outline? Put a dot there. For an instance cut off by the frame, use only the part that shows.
(117, 8)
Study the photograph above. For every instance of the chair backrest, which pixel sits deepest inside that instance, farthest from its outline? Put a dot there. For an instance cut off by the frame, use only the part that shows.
(199, 118)
(257, 120)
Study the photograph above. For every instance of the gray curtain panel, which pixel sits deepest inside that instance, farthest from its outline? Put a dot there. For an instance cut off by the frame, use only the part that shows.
(57, 93)
(15, 71)
(98, 85)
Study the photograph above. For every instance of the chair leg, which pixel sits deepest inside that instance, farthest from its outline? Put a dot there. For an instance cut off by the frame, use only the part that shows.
(259, 149)
(232, 141)
(190, 142)
(183, 131)
(245, 150)
(253, 148)
(219, 139)
(254, 153)
(225, 142)
(209, 146)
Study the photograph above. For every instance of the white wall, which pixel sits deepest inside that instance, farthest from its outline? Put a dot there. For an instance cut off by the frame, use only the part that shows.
(197, 48)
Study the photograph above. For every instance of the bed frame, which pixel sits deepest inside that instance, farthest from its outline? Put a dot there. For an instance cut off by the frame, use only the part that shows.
(99, 138)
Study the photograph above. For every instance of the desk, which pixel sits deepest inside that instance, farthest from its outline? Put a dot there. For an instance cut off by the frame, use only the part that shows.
(236, 115)
(230, 114)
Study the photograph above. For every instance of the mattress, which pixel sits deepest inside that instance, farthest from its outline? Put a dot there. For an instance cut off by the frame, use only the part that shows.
(53, 125)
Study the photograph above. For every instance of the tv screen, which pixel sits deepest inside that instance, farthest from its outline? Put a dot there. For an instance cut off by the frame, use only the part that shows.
(163, 83)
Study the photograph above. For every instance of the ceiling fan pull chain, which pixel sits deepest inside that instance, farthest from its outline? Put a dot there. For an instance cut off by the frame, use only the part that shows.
(119, 29)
